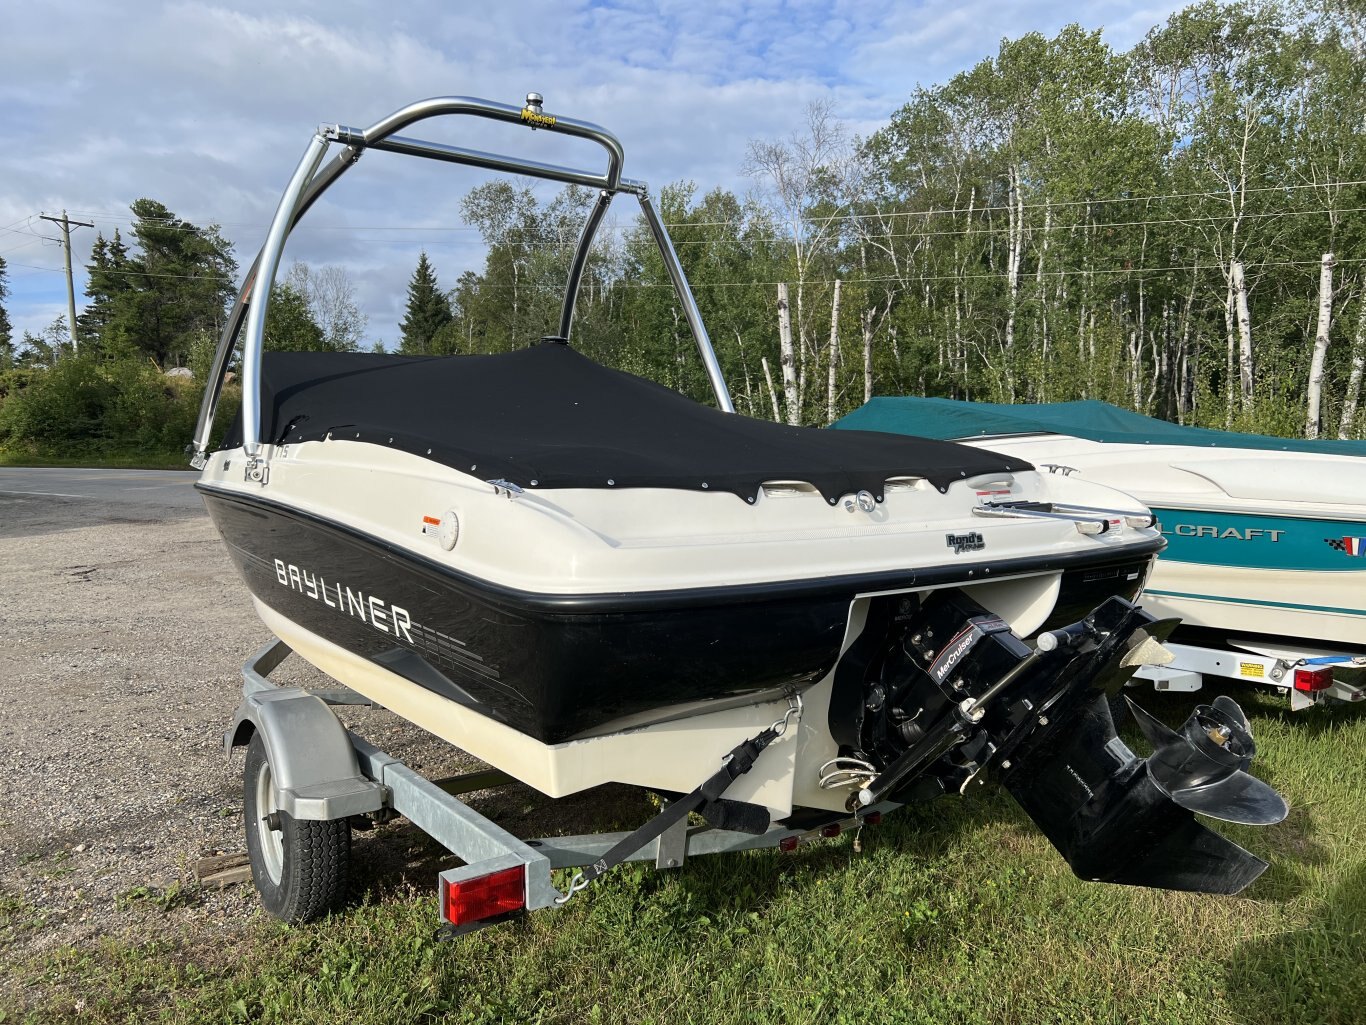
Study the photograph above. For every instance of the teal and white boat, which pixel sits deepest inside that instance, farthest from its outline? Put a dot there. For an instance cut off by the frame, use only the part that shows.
(1265, 536)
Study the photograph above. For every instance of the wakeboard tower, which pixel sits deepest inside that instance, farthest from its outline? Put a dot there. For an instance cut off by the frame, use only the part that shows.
(582, 577)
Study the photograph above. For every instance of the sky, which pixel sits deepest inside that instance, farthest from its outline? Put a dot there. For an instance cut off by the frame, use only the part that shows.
(207, 107)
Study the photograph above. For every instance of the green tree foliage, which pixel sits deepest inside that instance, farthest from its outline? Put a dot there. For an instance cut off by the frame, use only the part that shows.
(290, 326)
(87, 405)
(429, 310)
(107, 279)
(1062, 220)
(728, 249)
(46, 349)
(156, 301)
(517, 299)
(329, 295)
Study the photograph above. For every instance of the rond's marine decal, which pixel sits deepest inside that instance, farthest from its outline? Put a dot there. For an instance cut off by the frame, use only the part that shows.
(969, 542)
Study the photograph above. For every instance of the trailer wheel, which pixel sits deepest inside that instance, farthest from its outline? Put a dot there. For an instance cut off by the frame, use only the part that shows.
(299, 866)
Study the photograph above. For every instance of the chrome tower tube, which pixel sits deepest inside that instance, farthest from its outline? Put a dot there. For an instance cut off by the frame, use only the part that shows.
(571, 288)
(227, 338)
(268, 263)
(309, 182)
(690, 310)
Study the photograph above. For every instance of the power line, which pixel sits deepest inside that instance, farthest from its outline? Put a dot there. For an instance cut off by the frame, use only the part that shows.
(1209, 219)
(10, 226)
(28, 242)
(1061, 229)
(148, 274)
(881, 279)
(27, 233)
(929, 212)
(919, 279)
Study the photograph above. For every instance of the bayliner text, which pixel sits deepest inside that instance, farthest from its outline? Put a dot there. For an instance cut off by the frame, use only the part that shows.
(386, 618)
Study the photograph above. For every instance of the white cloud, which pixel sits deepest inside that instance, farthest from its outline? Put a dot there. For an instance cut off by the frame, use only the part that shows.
(206, 106)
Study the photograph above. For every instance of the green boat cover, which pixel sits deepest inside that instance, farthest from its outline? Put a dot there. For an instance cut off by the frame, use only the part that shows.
(1096, 421)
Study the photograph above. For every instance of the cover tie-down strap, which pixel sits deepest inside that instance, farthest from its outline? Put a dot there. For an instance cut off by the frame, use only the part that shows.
(733, 766)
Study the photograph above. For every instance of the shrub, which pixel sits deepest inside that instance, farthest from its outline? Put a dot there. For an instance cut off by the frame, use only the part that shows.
(65, 403)
(84, 404)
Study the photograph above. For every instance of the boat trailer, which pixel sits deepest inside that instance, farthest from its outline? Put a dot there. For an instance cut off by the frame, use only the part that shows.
(1308, 677)
(322, 779)
(1113, 816)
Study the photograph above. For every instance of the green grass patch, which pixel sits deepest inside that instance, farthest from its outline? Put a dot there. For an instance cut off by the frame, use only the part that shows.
(96, 454)
(955, 912)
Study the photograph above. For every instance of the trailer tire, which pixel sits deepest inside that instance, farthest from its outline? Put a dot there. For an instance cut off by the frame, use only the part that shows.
(301, 867)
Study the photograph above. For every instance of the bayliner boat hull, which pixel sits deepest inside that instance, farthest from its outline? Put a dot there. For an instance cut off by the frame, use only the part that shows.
(579, 576)
(557, 666)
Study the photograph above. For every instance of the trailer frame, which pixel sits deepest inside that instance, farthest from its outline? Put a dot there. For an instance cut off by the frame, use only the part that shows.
(1261, 664)
(323, 772)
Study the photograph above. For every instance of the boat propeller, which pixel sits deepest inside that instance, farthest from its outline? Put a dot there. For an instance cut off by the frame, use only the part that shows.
(937, 694)
(1203, 766)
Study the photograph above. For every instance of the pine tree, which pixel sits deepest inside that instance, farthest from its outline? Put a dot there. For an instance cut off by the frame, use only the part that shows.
(429, 310)
(107, 279)
(177, 285)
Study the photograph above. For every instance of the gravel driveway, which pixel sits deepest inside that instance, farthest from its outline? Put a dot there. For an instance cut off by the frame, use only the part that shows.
(121, 624)
(123, 628)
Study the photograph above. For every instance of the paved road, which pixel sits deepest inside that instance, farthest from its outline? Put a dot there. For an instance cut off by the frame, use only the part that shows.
(170, 491)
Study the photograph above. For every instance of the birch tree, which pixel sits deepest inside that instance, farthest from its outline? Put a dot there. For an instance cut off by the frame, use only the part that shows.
(800, 176)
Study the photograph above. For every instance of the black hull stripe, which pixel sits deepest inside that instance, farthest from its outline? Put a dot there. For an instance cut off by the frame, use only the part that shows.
(516, 599)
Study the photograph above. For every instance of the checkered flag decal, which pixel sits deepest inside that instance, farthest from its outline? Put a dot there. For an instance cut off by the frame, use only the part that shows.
(1347, 545)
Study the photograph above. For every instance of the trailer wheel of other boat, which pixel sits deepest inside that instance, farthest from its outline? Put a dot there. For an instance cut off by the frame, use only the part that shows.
(580, 577)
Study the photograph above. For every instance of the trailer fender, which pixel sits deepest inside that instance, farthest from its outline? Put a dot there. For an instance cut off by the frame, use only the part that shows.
(312, 761)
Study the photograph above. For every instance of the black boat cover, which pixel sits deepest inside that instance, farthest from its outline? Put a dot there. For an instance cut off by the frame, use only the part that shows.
(548, 417)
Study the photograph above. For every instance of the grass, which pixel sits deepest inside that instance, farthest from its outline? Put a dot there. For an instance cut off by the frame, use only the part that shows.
(96, 455)
(955, 912)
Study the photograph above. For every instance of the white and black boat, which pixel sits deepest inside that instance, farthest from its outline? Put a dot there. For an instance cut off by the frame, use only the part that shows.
(580, 577)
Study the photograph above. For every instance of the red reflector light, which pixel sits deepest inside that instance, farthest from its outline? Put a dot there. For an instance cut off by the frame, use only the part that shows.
(872, 818)
(1311, 680)
(473, 900)
(788, 844)
(831, 830)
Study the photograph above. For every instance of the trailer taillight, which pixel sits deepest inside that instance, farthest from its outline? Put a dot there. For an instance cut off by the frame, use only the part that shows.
(1312, 680)
(473, 900)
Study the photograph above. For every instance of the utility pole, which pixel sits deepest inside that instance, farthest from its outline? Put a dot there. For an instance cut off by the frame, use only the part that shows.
(67, 224)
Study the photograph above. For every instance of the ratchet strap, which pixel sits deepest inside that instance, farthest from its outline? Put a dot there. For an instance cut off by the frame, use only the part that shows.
(706, 800)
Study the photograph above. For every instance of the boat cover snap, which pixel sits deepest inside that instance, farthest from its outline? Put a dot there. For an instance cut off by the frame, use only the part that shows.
(550, 417)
